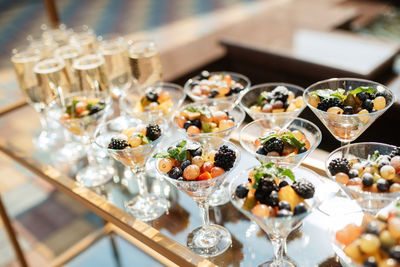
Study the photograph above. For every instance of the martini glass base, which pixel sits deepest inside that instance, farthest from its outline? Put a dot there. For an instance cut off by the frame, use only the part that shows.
(209, 241)
(283, 263)
(71, 151)
(219, 197)
(46, 140)
(94, 176)
(147, 207)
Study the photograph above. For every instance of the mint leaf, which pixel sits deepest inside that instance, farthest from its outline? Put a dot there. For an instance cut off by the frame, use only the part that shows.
(267, 138)
(289, 138)
(360, 89)
(288, 173)
(182, 143)
(203, 110)
(328, 93)
(265, 170)
(182, 155)
(262, 97)
(375, 156)
(144, 138)
(161, 155)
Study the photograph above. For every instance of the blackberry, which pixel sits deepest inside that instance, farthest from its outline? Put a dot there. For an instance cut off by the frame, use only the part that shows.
(370, 262)
(348, 110)
(175, 172)
(280, 93)
(95, 108)
(260, 150)
(151, 96)
(153, 131)
(299, 209)
(213, 93)
(364, 96)
(204, 74)
(368, 105)
(304, 188)
(383, 185)
(187, 124)
(339, 165)
(261, 195)
(225, 158)
(268, 185)
(185, 164)
(284, 213)
(367, 179)
(274, 144)
(284, 205)
(241, 191)
(327, 103)
(395, 152)
(273, 199)
(117, 144)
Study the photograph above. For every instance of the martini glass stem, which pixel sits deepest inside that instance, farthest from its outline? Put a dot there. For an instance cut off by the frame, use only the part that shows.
(141, 180)
(279, 245)
(203, 205)
(346, 151)
(87, 142)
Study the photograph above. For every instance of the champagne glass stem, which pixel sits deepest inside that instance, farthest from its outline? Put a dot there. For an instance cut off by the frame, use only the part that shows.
(279, 245)
(141, 179)
(43, 119)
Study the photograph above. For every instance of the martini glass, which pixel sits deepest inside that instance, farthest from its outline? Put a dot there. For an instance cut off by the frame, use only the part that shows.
(368, 201)
(254, 130)
(208, 240)
(144, 206)
(347, 128)
(251, 97)
(130, 103)
(233, 98)
(220, 196)
(94, 174)
(278, 228)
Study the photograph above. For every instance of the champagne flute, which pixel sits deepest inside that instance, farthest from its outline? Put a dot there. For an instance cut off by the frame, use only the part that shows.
(90, 73)
(114, 50)
(145, 62)
(69, 53)
(24, 59)
(61, 35)
(85, 37)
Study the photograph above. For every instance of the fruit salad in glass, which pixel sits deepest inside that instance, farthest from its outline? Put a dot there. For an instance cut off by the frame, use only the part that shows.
(209, 118)
(274, 192)
(281, 142)
(377, 173)
(223, 85)
(361, 100)
(280, 99)
(187, 162)
(370, 241)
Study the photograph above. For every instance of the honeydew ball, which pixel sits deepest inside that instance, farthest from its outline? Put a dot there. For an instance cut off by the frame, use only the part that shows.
(388, 172)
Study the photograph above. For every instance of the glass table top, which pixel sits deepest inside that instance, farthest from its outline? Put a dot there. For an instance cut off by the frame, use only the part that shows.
(310, 246)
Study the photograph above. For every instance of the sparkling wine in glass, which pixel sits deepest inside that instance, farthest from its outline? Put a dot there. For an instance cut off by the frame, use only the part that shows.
(69, 53)
(145, 62)
(24, 59)
(90, 73)
(114, 50)
(84, 37)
